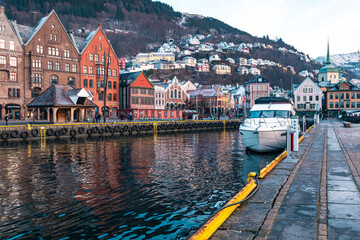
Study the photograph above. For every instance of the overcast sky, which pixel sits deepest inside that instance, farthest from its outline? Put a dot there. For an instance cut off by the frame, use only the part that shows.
(305, 24)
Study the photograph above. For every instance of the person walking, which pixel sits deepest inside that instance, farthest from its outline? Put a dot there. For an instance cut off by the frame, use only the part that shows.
(6, 118)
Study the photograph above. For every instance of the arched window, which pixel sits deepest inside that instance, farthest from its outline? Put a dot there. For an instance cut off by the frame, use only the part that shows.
(91, 83)
(171, 94)
(175, 93)
(85, 83)
(179, 94)
(99, 46)
(71, 81)
(53, 79)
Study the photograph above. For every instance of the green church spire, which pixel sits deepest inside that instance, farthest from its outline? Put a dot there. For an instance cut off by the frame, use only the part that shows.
(328, 54)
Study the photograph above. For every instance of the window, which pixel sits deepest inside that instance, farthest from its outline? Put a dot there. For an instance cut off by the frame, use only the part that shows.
(90, 83)
(331, 96)
(331, 105)
(298, 98)
(336, 96)
(55, 37)
(171, 94)
(67, 67)
(85, 83)
(66, 53)
(12, 45)
(310, 90)
(101, 96)
(51, 37)
(352, 95)
(341, 95)
(91, 57)
(142, 91)
(109, 85)
(2, 43)
(114, 73)
(84, 69)
(57, 52)
(179, 94)
(73, 68)
(336, 105)
(304, 98)
(96, 58)
(358, 95)
(347, 104)
(114, 97)
(310, 98)
(71, 81)
(352, 104)
(347, 96)
(53, 80)
(50, 65)
(49, 50)
(109, 97)
(35, 92)
(114, 85)
(135, 91)
(53, 52)
(357, 104)
(2, 60)
(103, 58)
(13, 61)
(109, 72)
(304, 90)
(90, 70)
(99, 46)
(298, 106)
(13, 77)
(317, 98)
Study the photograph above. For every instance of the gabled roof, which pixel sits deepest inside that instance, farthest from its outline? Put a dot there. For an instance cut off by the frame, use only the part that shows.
(58, 96)
(307, 79)
(27, 33)
(257, 79)
(352, 87)
(135, 79)
(83, 43)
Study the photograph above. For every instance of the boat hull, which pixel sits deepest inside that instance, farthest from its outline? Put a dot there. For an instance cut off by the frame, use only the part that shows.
(264, 140)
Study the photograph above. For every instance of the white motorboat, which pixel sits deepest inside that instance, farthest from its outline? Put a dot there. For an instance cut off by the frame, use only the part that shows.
(264, 129)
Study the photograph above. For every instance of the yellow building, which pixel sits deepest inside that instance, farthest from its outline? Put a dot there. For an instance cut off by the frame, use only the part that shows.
(222, 69)
(154, 56)
(342, 96)
(223, 101)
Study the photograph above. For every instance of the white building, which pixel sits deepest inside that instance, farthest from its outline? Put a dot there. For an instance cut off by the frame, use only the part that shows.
(159, 95)
(214, 58)
(252, 62)
(189, 61)
(243, 70)
(254, 71)
(308, 96)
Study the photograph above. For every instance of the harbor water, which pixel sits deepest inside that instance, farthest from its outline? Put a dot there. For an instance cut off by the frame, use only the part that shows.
(137, 187)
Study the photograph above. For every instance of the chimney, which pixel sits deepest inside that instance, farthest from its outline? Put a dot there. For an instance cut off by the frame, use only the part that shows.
(2, 9)
(34, 19)
(83, 32)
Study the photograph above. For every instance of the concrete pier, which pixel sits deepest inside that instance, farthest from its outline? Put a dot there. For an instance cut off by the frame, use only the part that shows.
(314, 195)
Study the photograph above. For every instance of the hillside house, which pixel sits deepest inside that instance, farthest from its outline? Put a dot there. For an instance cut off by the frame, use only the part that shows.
(189, 61)
(254, 71)
(222, 69)
(202, 67)
(214, 58)
(243, 70)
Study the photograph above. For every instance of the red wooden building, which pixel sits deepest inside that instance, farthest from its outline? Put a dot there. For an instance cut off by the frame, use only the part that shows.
(137, 98)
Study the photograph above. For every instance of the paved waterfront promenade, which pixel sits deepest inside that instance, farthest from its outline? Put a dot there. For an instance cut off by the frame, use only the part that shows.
(313, 196)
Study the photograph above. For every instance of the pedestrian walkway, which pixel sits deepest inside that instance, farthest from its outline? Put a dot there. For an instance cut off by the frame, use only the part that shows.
(313, 196)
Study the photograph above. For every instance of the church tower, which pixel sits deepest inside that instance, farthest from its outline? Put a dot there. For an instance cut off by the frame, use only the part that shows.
(329, 74)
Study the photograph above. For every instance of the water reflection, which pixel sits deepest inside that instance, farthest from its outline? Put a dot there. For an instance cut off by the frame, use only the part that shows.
(145, 187)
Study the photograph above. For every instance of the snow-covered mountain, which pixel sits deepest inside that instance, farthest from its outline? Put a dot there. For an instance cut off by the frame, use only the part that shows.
(347, 61)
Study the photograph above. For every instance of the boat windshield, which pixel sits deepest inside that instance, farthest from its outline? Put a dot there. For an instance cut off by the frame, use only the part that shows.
(269, 114)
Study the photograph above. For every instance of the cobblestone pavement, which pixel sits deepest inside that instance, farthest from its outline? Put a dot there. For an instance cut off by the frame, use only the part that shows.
(313, 196)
